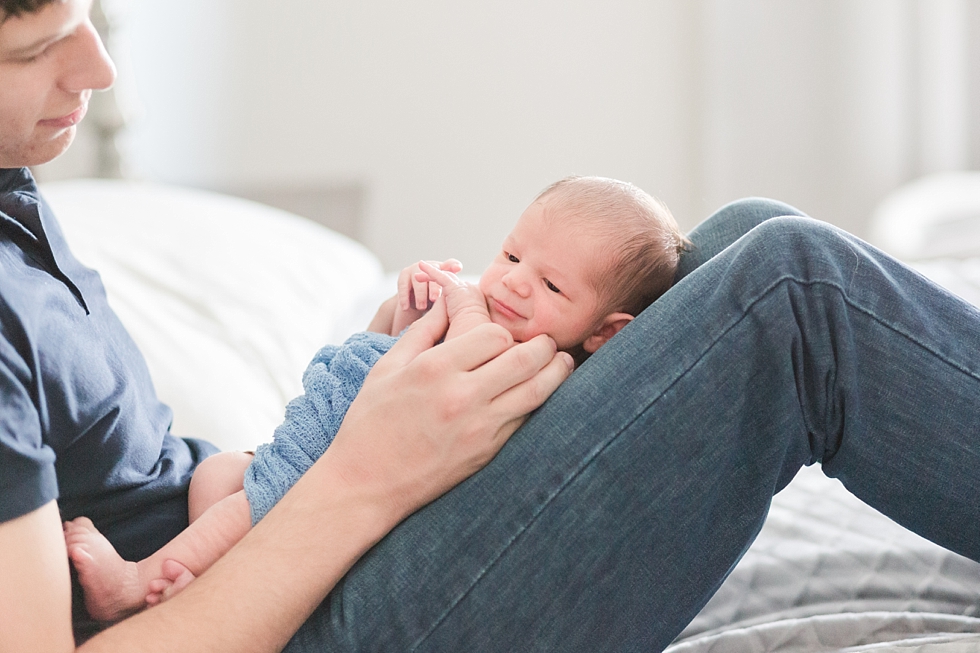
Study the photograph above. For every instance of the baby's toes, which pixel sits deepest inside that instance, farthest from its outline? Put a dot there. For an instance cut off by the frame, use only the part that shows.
(79, 554)
(81, 524)
(157, 590)
(158, 585)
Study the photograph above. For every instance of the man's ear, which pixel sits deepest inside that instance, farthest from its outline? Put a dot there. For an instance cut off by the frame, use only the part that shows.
(610, 326)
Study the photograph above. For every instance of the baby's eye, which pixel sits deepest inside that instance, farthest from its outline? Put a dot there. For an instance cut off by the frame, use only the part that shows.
(552, 287)
(512, 258)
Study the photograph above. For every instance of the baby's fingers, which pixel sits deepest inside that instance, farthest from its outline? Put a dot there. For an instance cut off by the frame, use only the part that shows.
(423, 290)
(443, 278)
(405, 283)
(414, 285)
(451, 265)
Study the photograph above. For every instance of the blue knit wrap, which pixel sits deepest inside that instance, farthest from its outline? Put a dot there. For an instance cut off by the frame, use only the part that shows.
(330, 383)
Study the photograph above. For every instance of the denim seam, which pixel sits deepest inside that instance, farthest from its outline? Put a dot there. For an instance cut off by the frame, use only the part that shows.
(892, 327)
(587, 461)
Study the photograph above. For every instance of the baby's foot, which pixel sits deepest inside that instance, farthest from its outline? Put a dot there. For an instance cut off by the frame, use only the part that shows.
(111, 584)
(175, 578)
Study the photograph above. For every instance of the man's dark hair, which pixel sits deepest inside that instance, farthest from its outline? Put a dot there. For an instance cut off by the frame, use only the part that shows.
(10, 8)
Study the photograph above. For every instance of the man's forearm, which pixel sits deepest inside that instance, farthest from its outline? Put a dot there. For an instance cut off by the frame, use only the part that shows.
(35, 590)
(258, 594)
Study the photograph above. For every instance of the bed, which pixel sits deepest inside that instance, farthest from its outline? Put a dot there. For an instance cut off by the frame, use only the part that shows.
(229, 299)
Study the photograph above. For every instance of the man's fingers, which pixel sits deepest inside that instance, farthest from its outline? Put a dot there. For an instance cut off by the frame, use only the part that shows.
(521, 399)
(476, 347)
(513, 366)
(423, 334)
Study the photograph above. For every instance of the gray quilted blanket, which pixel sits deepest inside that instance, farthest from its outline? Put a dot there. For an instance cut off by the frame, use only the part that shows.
(828, 573)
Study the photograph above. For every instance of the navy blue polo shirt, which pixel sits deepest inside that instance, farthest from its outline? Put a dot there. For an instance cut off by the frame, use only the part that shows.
(79, 419)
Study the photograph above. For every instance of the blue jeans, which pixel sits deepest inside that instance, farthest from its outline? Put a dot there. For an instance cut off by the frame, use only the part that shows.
(611, 517)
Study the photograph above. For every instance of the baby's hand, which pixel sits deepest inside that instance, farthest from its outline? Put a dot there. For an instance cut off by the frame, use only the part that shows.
(414, 293)
(465, 303)
(415, 297)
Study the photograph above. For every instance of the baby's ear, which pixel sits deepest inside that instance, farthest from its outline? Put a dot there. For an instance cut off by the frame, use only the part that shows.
(610, 326)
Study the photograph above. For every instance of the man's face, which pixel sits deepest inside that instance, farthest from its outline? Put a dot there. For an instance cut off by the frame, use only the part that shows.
(50, 61)
(542, 280)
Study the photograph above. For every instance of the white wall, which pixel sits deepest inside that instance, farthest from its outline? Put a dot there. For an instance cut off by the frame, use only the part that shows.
(806, 102)
(453, 115)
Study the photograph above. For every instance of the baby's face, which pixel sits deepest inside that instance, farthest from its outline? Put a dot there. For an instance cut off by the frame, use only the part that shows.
(540, 282)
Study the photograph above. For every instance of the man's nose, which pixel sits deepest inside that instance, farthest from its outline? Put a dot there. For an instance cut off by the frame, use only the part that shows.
(88, 65)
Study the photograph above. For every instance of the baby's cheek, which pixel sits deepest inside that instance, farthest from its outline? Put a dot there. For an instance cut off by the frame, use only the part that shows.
(486, 280)
(517, 334)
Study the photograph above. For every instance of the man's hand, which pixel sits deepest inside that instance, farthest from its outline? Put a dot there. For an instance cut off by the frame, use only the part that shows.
(428, 417)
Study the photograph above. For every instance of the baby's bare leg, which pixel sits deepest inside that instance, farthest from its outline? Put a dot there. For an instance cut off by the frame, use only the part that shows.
(198, 547)
(217, 477)
(465, 304)
(115, 588)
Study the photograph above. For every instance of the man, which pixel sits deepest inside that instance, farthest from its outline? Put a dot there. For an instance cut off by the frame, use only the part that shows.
(80, 429)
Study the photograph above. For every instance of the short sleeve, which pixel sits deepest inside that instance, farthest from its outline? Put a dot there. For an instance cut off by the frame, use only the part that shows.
(27, 472)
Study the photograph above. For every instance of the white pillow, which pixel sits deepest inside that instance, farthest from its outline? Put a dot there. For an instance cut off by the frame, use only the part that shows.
(227, 299)
(933, 217)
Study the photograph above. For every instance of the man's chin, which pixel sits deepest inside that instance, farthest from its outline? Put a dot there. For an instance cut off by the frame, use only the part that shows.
(56, 146)
(35, 154)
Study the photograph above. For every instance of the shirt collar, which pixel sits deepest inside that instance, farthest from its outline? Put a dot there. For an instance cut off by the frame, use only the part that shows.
(18, 197)
(22, 216)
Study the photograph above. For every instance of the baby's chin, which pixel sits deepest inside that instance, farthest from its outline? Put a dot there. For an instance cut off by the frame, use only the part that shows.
(514, 333)
(576, 351)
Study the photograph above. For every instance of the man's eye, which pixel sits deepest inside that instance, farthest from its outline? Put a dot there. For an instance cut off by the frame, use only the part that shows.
(551, 286)
(31, 58)
(512, 258)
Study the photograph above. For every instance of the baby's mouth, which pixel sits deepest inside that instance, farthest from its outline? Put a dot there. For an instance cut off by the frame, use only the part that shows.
(504, 309)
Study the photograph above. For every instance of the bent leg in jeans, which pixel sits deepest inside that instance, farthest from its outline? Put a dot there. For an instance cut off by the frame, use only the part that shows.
(611, 517)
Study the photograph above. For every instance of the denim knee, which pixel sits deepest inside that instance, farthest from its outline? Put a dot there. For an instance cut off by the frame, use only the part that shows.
(727, 225)
(800, 247)
(761, 206)
(796, 230)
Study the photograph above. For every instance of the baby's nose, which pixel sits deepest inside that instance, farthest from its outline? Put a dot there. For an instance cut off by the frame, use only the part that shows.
(517, 284)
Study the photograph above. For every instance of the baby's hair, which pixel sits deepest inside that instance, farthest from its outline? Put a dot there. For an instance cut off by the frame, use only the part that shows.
(636, 233)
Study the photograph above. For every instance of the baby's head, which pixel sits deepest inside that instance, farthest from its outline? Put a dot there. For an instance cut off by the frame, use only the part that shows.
(586, 257)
